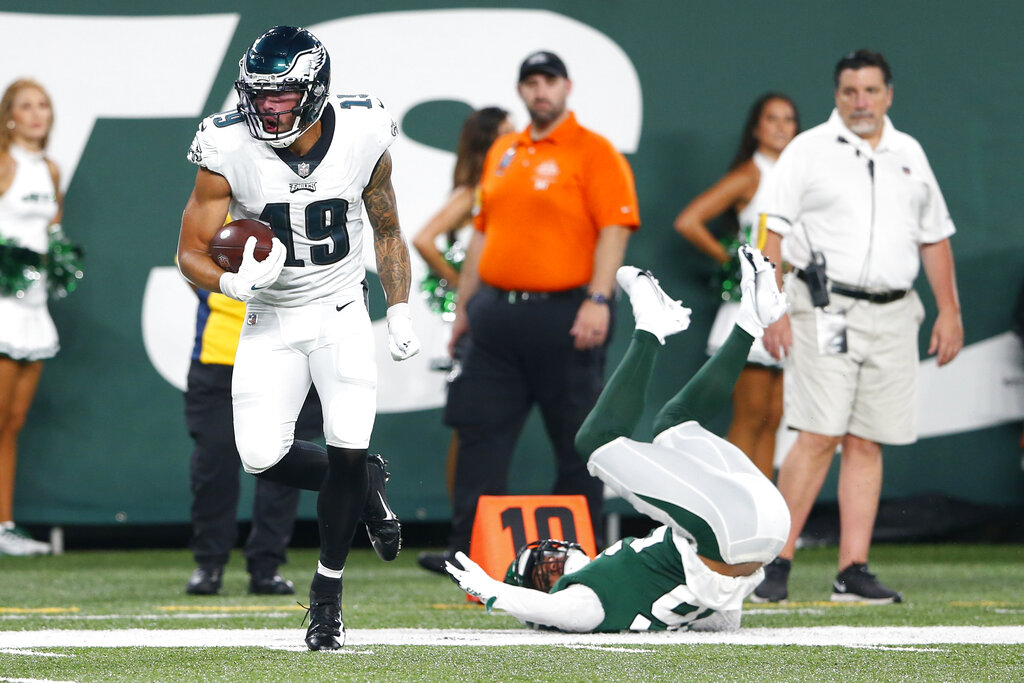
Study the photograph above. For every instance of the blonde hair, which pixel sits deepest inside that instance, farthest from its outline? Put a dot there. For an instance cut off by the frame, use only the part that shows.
(7, 105)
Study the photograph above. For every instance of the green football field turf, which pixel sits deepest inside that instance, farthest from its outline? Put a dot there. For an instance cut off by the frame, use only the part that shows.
(97, 616)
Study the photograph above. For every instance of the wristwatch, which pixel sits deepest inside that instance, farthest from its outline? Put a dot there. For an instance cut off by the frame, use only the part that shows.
(598, 298)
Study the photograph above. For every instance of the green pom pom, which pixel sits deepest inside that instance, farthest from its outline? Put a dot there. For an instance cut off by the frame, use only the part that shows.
(19, 268)
(439, 293)
(726, 279)
(63, 266)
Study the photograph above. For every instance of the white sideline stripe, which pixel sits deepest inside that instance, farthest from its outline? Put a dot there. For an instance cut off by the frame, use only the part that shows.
(19, 651)
(289, 639)
(896, 648)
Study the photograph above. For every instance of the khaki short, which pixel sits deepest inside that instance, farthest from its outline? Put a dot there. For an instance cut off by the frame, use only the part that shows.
(871, 390)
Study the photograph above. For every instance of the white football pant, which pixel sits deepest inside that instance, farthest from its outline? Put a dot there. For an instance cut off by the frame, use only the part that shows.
(280, 352)
(703, 487)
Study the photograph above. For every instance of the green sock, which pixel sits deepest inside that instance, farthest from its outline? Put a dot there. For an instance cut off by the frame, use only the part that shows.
(621, 403)
(709, 390)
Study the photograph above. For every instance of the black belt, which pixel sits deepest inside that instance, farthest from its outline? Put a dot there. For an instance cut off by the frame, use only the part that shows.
(858, 293)
(519, 296)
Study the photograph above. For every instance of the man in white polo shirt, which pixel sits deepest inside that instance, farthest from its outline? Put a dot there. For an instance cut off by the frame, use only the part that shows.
(860, 211)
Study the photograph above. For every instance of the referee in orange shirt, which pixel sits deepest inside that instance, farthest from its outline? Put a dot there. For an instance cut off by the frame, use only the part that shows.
(557, 207)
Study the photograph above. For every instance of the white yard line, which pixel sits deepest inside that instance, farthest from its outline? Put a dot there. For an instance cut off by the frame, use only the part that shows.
(291, 639)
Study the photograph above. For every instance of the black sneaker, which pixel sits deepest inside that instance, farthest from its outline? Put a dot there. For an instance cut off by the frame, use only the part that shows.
(205, 580)
(773, 588)
(270, 584)
(434, 562)
(382, 526)
(857, 584)
(326, 631)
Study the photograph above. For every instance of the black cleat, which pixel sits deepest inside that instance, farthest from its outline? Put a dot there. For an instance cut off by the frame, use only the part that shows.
(205, 580)
(326, 631)
(270, 584)
(774, 586)
(382, 526)
(434, 562)
(857, 584)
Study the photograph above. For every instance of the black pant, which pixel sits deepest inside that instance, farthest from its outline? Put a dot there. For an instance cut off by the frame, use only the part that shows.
(214, 477)
(520, 354)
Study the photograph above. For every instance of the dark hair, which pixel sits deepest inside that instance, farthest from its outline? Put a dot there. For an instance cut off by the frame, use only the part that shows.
(478, 132)
(859, 60)
(748, 143)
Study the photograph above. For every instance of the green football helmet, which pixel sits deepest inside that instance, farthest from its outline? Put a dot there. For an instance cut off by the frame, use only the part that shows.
(284, 59)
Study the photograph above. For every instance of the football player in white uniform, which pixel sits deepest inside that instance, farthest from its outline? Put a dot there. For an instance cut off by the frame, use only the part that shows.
(722, 519)
(307, 162)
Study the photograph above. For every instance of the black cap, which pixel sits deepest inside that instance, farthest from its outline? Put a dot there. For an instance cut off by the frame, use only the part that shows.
(542, 62)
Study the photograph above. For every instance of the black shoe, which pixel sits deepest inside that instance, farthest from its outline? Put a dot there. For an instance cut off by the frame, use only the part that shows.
(270, 584)
(205, 580)
(857, 584)
(773, 587)
(325, 626)
(382, 526)
(435, 561)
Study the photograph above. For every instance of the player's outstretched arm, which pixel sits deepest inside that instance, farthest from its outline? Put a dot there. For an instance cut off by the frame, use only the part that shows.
(392, 258)
(576, 609)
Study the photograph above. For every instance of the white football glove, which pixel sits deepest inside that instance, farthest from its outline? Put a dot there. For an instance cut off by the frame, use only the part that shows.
(253, 275)
(402, 341)
(762, 303)
(474, 580)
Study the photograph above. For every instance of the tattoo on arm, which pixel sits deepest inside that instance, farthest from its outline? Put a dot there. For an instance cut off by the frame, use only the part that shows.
(388, 244)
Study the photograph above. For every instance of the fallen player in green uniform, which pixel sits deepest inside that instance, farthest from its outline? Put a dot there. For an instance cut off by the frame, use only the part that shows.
(722, 520)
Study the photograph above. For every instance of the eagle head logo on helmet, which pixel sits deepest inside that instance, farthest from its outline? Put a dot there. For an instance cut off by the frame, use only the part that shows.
(283, 59)
(540, 564)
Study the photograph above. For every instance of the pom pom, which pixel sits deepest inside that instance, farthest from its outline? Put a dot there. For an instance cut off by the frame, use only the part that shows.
(63, 265)
(438, 292)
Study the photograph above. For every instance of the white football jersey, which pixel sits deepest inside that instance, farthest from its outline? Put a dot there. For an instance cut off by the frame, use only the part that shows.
(313, 203)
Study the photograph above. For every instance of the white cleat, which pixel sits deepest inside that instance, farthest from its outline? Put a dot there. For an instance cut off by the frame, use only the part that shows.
(762, 303)
(653, 310)
(13, 543)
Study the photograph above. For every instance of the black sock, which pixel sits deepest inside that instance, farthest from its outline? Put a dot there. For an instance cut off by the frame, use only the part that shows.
(304, 466)
(340, 503)
(324, 585)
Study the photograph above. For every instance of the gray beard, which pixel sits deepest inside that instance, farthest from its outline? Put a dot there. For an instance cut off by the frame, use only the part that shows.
(864, 127)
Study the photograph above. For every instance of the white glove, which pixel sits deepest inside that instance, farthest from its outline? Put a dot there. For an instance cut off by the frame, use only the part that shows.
(253, 275)
(474, 580)
(402, 341)
(762, 303)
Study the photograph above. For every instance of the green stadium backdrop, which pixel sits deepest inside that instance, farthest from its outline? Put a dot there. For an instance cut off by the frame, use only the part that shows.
(668, 81)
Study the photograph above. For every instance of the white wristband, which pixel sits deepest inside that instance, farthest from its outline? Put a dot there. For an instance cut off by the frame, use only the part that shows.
(399, 310)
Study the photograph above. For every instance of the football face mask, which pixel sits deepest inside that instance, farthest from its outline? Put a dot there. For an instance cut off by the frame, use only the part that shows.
(283, 60)
(538, 565)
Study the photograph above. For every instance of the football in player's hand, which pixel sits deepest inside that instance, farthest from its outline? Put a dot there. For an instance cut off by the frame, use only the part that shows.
(228, 243)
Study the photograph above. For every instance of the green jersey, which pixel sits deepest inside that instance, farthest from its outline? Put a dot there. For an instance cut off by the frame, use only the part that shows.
(641, 584)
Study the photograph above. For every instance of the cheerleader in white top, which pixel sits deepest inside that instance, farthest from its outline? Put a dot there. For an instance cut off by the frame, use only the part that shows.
(30, 203)
(757, 399)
